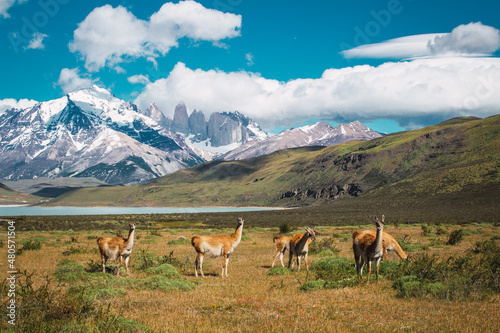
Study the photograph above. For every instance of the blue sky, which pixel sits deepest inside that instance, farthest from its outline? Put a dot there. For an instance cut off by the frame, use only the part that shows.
(394, 65)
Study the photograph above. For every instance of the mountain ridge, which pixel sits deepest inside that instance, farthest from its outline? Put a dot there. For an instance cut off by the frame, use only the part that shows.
(317, 134)
(85, 128)
(429, 162)
(92, 133)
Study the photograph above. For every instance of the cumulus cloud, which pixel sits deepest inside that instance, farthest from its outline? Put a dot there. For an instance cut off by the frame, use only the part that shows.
(437, 87)
(71, 80)
(473, 39)
(37, 41)
(108, 36)
(5, 5)
(249, 58)
(138, 79)
(10, 103)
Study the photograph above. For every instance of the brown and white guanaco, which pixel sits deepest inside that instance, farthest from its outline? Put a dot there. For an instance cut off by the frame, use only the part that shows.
(299, 246)
(216, 246)
(116, 248)
(372, 245)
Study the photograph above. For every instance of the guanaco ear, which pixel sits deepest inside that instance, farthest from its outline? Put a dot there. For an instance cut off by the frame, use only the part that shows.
(383, 218)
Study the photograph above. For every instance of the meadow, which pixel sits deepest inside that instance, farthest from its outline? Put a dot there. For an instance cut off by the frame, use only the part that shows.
(451, 285)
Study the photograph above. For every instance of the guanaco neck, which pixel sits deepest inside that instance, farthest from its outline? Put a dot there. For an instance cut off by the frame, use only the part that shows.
(378, 239)
(130, 240)
(237, 235)
(302, 243)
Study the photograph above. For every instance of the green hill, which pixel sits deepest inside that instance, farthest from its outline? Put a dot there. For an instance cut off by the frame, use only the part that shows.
(459, 157)
(9, 196)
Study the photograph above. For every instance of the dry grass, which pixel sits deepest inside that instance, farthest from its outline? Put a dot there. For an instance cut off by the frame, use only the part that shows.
(252, 301)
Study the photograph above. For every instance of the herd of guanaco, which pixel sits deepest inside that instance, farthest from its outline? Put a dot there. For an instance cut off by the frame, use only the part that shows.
(368, 246)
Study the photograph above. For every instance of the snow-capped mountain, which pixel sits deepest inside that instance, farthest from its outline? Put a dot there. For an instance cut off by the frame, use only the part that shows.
(89, 132)
(318, 134)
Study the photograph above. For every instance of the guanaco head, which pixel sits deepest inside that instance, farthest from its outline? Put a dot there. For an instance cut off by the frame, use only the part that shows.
(379, 222)
(132, 226)
(312, 233)
(240, 221)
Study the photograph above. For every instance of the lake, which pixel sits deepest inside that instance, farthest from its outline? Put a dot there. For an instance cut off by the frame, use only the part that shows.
(34, 211)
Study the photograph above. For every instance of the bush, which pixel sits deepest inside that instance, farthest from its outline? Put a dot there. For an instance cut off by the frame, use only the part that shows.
(332, 273)
(166, 270)
(279, 271)
(313, 285)
(31, 244)
(48, 309)
(474, 276)
(325, 247)
(284, 228)
(455, 237)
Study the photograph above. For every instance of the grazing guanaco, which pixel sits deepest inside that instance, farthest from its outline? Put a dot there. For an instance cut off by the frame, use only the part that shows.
(116, 248)
(368, 246)
(216, 246)
(299, 246)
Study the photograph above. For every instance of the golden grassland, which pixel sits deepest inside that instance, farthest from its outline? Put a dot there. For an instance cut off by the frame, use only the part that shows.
(250, 300)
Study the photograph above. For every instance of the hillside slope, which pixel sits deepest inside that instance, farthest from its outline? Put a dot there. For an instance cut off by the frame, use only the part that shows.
(442, 159)
(8, 196)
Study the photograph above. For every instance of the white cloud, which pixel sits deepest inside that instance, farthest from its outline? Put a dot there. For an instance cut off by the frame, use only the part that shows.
(10, 103)
(5, 5)
(153, 61)
(473, 39)
(37, 41)
(139, 79)
(397, 48)
(249, 58)
(71, 80)
(108, 36)
(437, 87)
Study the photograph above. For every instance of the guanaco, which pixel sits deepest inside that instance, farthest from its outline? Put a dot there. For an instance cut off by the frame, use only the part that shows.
(374, 244)
(216, 246)
(282, 245)
(116, 248)
(299, 246)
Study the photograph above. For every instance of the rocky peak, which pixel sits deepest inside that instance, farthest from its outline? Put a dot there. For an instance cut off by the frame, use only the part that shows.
(154, 112)
(181, 120)
(223, 130)
(198, 125)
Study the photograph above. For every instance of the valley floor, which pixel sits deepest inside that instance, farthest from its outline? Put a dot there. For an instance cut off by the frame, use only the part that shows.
(250, 300)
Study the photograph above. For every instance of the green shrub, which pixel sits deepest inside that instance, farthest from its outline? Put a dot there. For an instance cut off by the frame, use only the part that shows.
(325, 247)
(48, 309)
(313, 285)
(31, 244)
(335, 272)
(279, 271)
(284, 228)
(455, 237)
(476, 275)
(166, 270)
(425, 230)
